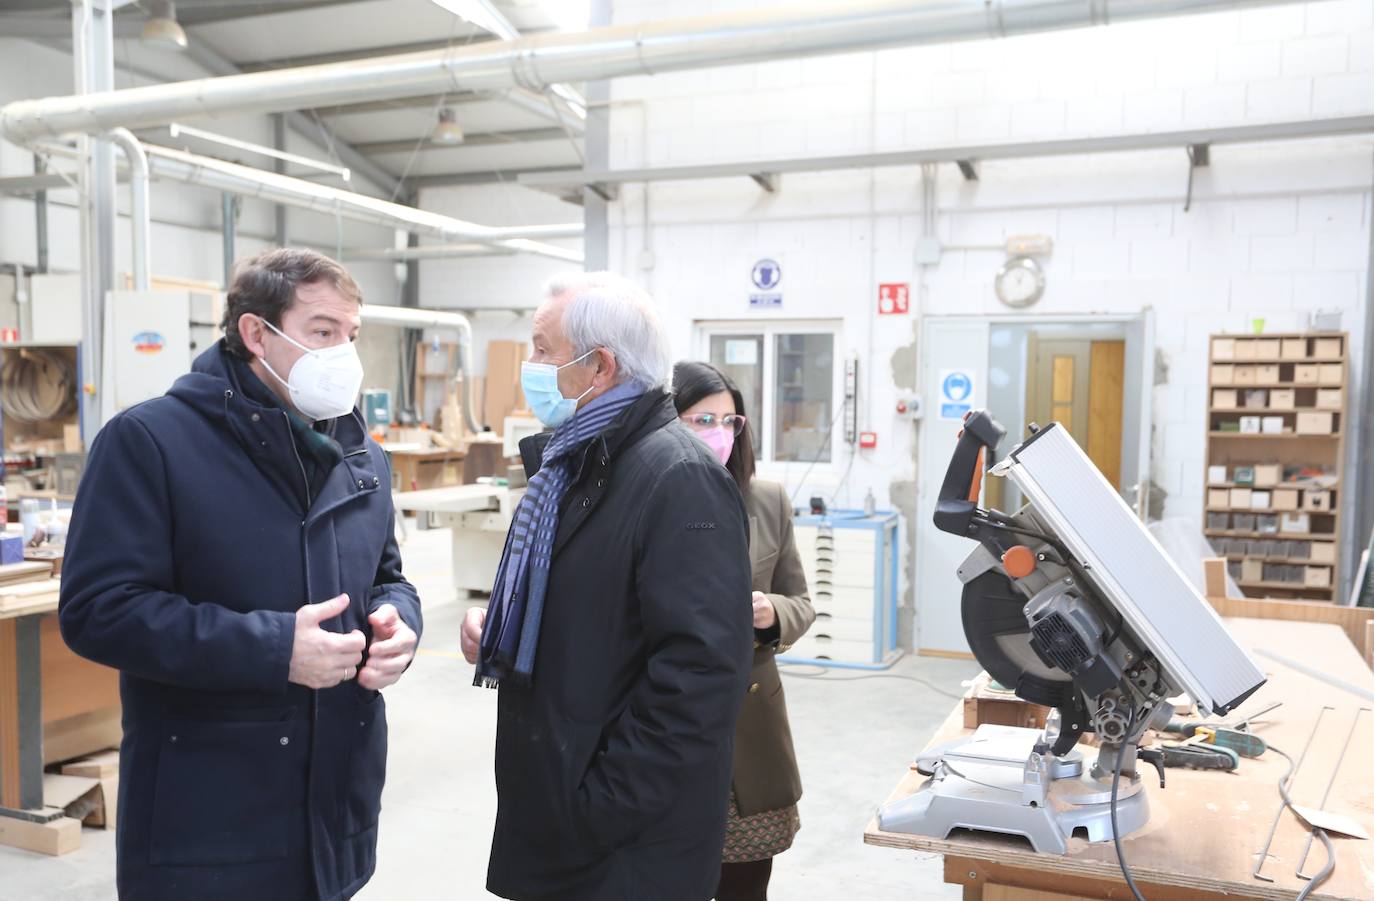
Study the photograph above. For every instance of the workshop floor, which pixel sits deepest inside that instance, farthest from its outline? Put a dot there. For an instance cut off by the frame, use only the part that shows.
(854, 735)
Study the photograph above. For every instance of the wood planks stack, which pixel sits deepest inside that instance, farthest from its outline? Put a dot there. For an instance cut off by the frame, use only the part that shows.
(27, 585)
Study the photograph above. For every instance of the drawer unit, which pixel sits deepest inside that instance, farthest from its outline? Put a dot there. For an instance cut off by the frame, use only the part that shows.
(850, 562)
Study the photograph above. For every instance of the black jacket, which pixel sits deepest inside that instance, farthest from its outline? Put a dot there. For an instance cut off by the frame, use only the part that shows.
(192, 544)
(613, 769)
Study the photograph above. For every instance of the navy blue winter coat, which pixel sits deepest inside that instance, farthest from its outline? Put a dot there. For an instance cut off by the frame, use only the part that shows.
(192, 544)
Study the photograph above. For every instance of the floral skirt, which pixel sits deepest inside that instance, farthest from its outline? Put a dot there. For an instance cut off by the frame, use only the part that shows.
(760, 836)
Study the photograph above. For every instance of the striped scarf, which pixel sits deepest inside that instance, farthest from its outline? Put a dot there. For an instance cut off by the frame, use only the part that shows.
(511, 632)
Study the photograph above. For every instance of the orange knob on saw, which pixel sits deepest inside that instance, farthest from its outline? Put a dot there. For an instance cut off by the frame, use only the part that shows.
(1019, 562)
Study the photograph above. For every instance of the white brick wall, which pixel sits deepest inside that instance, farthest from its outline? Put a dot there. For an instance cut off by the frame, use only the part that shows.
(1274, 232)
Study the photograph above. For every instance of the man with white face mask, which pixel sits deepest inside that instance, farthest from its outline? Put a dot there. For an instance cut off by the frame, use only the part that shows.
(232, 553)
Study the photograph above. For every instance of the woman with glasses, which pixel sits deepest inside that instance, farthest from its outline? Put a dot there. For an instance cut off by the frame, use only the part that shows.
(762, 816)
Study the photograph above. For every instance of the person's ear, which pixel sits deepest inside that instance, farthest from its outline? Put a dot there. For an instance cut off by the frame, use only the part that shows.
(606, 368)
(252, 332)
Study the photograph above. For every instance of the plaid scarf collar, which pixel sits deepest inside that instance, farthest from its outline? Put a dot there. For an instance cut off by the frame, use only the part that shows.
(511, 633)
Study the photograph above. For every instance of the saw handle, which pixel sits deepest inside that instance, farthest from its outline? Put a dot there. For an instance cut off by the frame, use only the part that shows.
(964, 477)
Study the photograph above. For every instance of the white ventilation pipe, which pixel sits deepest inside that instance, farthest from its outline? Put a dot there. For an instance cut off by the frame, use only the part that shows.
(166, 164)
(540, 61)
(421, 317)
(140, 215)
(177, 165)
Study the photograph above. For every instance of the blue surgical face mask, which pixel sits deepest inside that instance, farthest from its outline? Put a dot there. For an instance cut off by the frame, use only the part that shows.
(545, 399)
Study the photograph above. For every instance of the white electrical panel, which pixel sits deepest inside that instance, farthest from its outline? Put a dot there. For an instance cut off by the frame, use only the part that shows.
(148, 343)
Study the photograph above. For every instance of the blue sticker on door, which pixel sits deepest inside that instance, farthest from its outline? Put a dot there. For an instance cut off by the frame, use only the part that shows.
(956, 393)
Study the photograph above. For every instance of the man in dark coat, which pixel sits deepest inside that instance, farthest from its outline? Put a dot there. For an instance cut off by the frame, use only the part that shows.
(613, 745)
(232, 553)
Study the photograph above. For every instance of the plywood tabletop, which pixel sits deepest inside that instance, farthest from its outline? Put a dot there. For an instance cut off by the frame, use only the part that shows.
(1206, 828)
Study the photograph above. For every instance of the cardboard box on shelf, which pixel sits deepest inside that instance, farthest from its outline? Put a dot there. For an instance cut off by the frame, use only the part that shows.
(1268, 474)
(1223, 348)
(1224, 398)
(1294, 349)
(1331, 374)
(1218, 498)
(1267, 349)
(1326, 348)
(1306, 374)
(1216, 475)
(1223, 375)
(1284, 499)
(1272, 425)
(1252, 570)
(1315, 422)
(1282, 399)
(1330, 398)
(1246, 375)
(1323, 552)
(1267, 374)
(1246, 349)
(1317, 501)
(1318, 577)
(1240, 498)
(1295, 522)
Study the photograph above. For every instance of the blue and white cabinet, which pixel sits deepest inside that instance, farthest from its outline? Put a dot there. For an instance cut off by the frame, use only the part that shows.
(850, 562)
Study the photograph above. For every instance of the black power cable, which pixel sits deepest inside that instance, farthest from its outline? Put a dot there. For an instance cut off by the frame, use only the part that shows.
(1116, 783)
(1330, 867)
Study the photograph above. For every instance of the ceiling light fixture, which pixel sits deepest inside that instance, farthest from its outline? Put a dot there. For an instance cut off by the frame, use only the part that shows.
(448, 131)
(162, 29)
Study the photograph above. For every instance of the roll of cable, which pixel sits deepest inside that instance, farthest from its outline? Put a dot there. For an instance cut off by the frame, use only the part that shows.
(37, 385)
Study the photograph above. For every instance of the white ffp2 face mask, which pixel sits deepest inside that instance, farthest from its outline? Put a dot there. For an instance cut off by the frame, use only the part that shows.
(324, 383)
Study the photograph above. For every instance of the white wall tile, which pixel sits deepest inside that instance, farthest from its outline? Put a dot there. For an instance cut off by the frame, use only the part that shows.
(1343, 95)
(1325, 55)
(1339, 16)
(1278, 216)
(1154, 111)
(1280, 99)
(1249, 62)
(1206, 105)
(1144, 221)
(1288, 253)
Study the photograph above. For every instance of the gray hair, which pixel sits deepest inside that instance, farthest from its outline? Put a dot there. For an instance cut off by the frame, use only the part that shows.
(610, 311)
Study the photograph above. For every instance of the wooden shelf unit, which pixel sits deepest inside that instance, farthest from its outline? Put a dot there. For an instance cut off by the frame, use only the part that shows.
(1299, 382)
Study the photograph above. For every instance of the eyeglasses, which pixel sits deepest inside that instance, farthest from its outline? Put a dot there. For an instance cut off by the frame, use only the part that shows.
(704, 422)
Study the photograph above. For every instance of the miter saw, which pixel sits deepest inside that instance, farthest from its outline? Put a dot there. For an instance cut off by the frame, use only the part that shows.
(1072, 604)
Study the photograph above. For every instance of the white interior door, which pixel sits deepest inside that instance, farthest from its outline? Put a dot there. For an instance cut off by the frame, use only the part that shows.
(953, 349)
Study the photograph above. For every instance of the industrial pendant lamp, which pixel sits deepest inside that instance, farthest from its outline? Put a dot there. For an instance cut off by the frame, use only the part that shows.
(162, 29)
(448, 131)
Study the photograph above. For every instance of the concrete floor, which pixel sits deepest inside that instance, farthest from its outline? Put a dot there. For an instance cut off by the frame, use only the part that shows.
(854, 738)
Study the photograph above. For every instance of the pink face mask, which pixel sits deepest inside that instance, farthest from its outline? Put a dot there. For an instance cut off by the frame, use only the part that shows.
(721, 440)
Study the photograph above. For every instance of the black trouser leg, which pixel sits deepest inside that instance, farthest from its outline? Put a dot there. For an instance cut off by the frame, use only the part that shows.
(744, 881)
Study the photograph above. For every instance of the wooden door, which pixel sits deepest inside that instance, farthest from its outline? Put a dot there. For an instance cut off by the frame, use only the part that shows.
(1080, 383)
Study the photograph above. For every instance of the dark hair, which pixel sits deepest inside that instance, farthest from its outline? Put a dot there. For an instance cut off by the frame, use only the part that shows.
(692, 383)
(265, 285)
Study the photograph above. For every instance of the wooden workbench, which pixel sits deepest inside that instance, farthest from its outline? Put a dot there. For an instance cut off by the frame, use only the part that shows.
(1206, 828)
(54, 706)
(417, 469)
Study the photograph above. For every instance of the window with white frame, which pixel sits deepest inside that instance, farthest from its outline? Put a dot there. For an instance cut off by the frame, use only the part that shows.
(790, 383)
